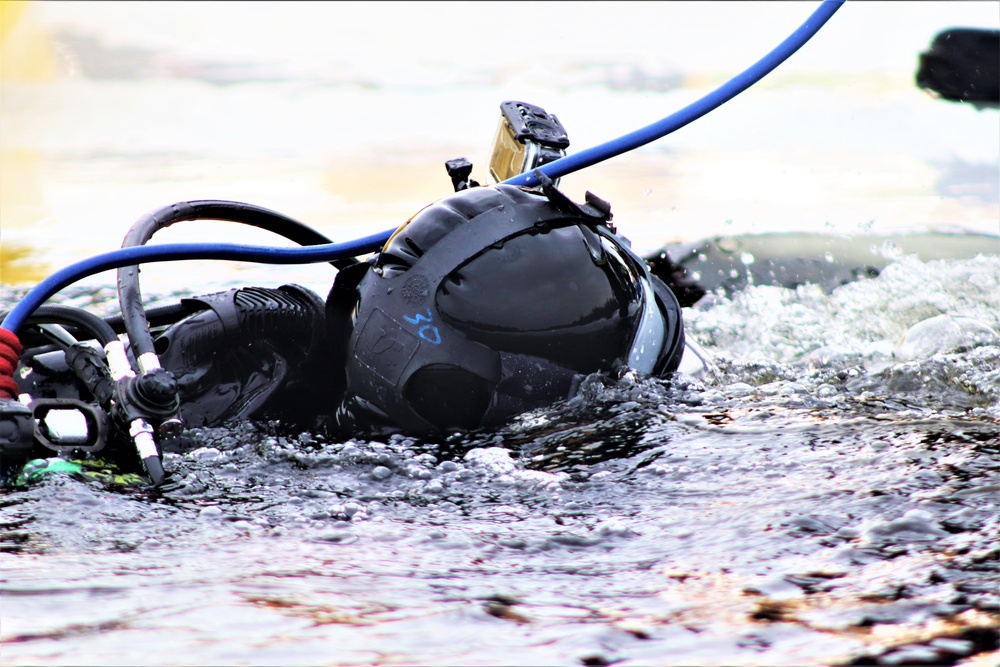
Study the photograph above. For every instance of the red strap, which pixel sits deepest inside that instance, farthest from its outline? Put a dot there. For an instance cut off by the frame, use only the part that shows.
(8, 388)
(9, 341)
(10, 350)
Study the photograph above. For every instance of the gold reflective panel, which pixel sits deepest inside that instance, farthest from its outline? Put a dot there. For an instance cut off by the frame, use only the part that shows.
(507, 154)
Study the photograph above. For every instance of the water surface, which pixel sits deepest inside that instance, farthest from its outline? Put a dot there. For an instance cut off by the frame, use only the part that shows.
(826, 496)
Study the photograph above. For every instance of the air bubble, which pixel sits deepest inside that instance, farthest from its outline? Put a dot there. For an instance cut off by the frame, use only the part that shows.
(943, 334)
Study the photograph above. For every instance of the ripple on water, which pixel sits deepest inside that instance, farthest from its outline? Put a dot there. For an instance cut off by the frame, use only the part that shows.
(814, 500)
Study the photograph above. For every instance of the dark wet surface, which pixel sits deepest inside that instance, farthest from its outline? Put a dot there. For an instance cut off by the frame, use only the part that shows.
(782, 511)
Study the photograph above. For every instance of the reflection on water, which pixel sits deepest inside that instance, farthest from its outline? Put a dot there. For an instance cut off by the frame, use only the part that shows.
(818, 501)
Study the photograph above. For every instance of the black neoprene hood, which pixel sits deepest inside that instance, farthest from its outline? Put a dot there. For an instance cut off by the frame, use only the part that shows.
(495, 300)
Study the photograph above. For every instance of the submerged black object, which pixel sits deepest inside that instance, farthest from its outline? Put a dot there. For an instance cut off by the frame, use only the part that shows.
(493, 301)
(963, 65)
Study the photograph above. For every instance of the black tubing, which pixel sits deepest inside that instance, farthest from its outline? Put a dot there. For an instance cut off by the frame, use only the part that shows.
(77, 317)
(154, 468)
(129, 295)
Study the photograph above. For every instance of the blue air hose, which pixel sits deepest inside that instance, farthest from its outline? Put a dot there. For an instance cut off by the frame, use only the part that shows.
(691, 112)
(169, 252)
(333, 251)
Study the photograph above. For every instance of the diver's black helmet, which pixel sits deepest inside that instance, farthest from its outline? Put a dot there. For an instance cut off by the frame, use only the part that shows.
(493, 301)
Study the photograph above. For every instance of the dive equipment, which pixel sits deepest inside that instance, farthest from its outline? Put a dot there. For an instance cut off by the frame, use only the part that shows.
(17, 431)
(143, 230)
(526, 138)
(491, 302)
(171, 252)
(233, 356)
(410, 341)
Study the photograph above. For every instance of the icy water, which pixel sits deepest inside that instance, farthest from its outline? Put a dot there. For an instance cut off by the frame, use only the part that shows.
(827, 495)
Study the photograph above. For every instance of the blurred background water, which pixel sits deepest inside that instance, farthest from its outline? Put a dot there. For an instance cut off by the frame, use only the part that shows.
(342, 115)
(826, 496)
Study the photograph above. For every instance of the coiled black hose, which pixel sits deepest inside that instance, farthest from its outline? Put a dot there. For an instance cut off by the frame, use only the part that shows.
(75, 317)
(129, 295)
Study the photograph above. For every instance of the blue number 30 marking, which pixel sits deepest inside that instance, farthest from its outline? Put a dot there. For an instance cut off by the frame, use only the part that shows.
(428, 332)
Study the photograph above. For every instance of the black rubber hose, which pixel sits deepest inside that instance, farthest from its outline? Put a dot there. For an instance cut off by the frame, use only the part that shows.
(159, 316)
(75, 317)
(129, 295)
